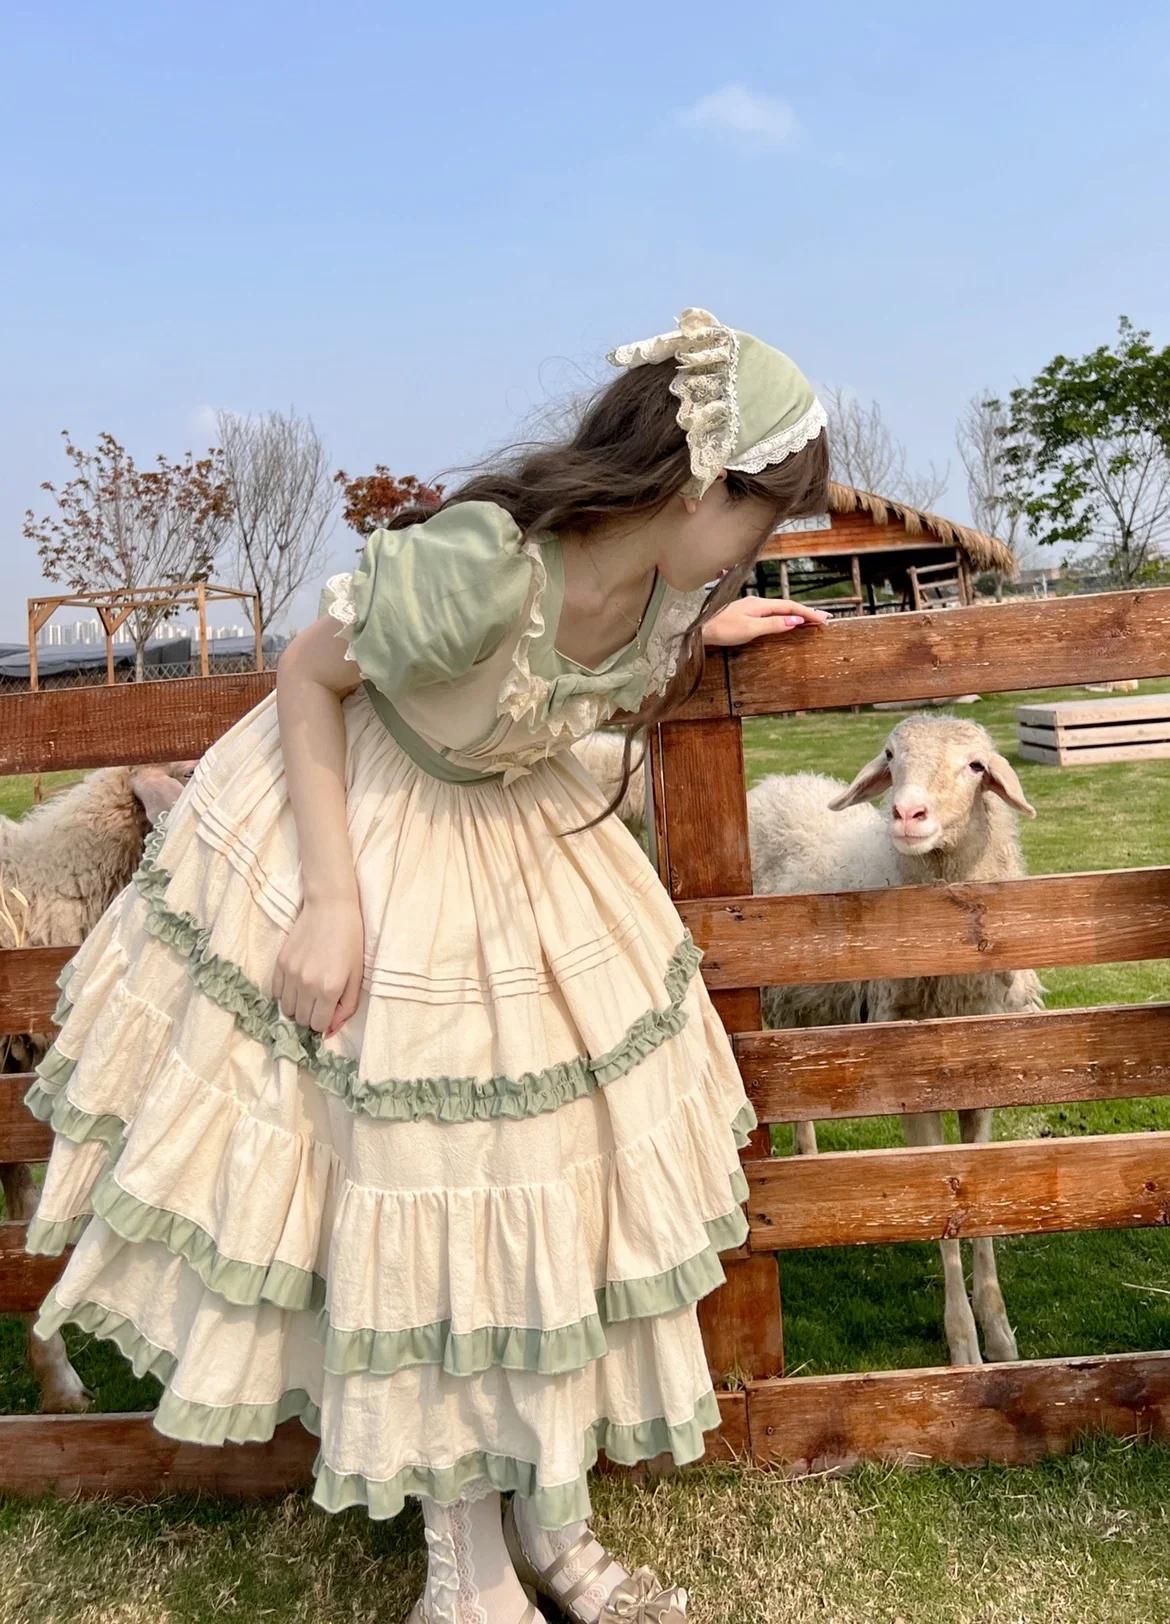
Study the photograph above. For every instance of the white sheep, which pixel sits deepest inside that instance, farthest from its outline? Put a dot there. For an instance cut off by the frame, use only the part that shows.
(601, 755)
(951, 817)
(61, 866)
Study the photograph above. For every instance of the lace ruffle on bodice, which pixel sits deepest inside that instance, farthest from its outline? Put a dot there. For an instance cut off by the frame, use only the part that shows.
(540, 702)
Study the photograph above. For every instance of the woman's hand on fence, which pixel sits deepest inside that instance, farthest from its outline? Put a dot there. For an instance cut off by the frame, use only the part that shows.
(318, 973)
(748, 618)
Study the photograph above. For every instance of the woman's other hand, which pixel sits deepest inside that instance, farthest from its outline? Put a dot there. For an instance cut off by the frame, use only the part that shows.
(748, 618)
(318, 973)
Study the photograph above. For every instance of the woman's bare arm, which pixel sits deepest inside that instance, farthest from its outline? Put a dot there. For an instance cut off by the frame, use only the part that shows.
(318, 971)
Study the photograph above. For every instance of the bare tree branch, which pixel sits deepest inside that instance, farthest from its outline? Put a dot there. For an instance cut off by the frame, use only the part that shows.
(867, 455)
(282, 502)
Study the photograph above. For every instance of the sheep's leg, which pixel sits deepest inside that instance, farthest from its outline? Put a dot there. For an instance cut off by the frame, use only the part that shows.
(59, 1387)
(925, 1128)
(806, 1138)
(986, 1297)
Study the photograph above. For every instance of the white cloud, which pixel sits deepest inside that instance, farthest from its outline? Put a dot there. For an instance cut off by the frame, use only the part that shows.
(201, 424)
(756, 122)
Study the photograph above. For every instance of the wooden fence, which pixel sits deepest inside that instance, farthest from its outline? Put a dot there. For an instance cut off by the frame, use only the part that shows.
(964, 1414)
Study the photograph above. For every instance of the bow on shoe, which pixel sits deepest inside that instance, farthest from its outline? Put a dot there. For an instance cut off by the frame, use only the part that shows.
(640, 1599)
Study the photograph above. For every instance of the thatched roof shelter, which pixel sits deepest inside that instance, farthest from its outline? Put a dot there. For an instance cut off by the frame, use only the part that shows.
(982, 552)
(881, 543)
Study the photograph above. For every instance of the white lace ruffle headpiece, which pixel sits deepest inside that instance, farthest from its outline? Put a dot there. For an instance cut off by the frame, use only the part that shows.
(744, 405)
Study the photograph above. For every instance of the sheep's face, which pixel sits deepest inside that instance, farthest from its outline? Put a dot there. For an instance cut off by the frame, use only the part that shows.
(937, 769)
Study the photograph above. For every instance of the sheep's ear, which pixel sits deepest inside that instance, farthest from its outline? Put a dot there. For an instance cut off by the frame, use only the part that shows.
(871, 781)
(156, 790)
(1001, 779)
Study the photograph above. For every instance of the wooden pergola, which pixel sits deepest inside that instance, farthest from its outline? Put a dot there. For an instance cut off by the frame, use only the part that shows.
(875, 544)
(113, 605)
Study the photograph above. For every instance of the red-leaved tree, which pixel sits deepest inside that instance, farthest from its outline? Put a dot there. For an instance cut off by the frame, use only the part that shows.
(371, 500)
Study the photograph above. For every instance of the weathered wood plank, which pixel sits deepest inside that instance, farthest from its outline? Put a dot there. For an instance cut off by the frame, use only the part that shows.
(1092, 712)
(932, 654)
(22, 1137)
(24, 1279)
(1109, 917)
(825, 1072)
(1082, 738)
(1063, 756)
(28, 986)
(964, 1415)
(126, 722)
(124, 1456)
(1091, 738)
(704, 814)
(1046, 755)
(932, 1192)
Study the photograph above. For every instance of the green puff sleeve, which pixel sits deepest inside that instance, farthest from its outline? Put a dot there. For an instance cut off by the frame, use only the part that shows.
(426, 603)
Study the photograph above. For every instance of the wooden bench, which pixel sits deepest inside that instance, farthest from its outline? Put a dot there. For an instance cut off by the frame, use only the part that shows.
(1090, 730)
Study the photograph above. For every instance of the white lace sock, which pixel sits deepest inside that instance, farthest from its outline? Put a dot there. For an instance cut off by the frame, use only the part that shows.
(470, 1577)
(544, 1545)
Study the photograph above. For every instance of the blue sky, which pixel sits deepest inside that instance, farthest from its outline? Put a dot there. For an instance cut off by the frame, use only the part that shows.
(417, 224)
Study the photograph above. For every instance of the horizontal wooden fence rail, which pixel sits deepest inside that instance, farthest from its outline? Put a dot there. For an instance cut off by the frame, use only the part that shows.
(926, 655)
(1100, 918)
(123, 723)
(965, 1062)
(966, 1415)
(124, 1455)
(937, 1192)
(938, 654)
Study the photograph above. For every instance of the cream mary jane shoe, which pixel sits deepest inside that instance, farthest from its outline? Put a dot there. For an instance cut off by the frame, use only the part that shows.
(639, 1599)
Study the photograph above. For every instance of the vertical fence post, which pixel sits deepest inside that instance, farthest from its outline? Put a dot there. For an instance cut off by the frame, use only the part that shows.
(701, 848)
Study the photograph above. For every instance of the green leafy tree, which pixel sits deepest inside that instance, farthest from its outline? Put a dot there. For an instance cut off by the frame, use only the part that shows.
(1086, 455)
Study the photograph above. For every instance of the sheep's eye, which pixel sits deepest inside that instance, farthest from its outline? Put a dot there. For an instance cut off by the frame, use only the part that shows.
(889, 755)
(977, 767)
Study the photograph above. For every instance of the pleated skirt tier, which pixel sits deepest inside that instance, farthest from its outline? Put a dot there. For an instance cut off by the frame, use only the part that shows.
(463, 1238)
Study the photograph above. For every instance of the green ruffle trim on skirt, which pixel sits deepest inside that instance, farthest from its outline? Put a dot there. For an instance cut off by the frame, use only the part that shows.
(517, 1347)
(146, 1358)
(554, 1505)
(180, 1417)
(246, 1284)
(50, 1236)
(463, 1353)
(71, 1122)
(742, 1124)
(446, 1099)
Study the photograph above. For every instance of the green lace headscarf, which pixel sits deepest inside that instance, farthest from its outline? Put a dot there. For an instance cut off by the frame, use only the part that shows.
(744, 405)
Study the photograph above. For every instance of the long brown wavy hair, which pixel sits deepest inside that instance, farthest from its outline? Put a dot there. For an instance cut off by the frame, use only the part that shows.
(625, 454)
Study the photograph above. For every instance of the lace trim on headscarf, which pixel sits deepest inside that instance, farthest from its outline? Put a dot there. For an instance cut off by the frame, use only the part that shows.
(705, 381)
(783, 443)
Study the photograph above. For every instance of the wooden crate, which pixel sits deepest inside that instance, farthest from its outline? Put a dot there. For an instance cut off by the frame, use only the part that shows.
(1090, 730)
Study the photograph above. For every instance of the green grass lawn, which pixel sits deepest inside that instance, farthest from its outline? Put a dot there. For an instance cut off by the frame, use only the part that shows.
(1083, 1540)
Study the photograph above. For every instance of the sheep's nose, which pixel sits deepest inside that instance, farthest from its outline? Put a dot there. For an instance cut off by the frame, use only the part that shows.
(910, 811)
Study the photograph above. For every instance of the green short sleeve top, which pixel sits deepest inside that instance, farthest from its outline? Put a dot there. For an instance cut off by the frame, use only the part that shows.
(452, 624)
(434, 599)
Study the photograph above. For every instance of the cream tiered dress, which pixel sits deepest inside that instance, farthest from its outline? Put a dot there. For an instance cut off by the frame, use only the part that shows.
(462, 1239)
